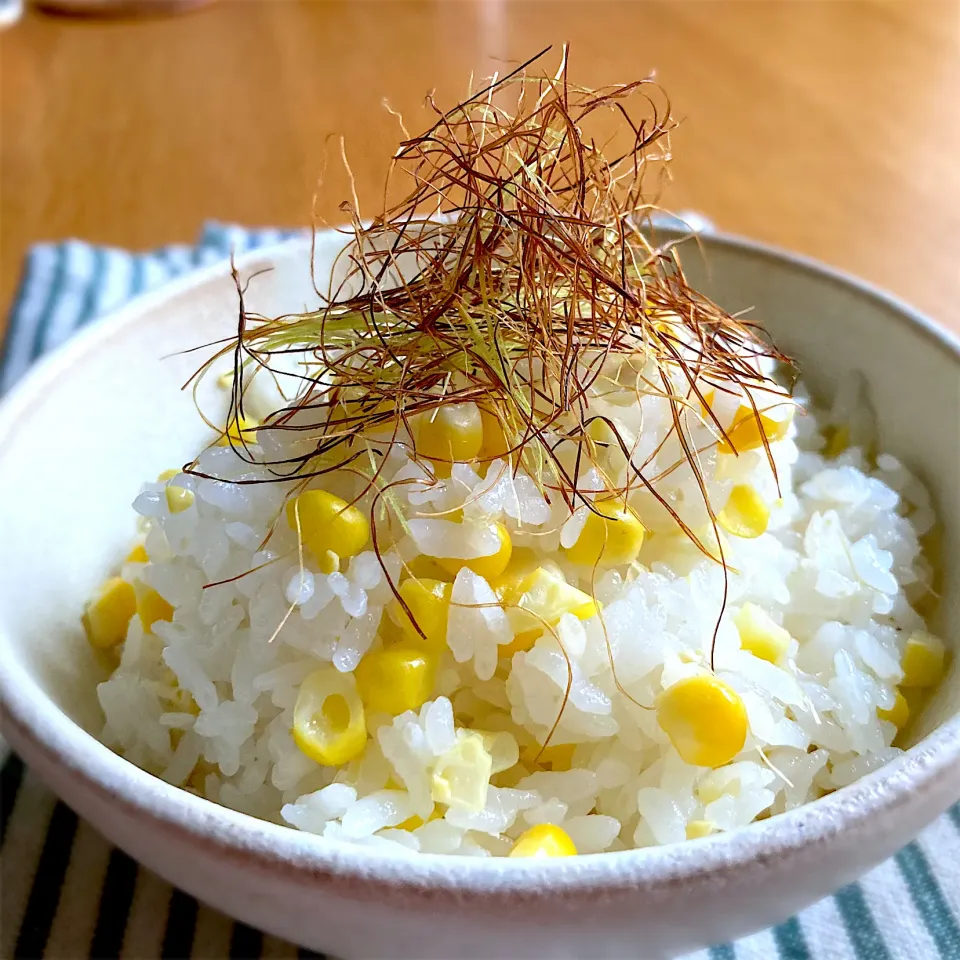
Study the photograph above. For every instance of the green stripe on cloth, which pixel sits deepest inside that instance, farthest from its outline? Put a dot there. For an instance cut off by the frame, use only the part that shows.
(16, 308)
(723, 951)
(116, 898)
(181, 926)
(929, 901)
(47, 307)
(90, 298)
(47, 883)
(53, 297)
(791, 944)
(137, 277)
(11, 776)
(245, 942)
(859, 923)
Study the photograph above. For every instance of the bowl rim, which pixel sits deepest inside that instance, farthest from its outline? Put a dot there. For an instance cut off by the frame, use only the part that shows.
(38, 729)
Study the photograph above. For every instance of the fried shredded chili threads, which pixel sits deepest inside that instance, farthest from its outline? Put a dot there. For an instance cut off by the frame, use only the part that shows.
(516, 267)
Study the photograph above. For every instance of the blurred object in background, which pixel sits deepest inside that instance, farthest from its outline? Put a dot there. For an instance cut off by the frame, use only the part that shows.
(133, 137)
(93, 8)
(10, 12)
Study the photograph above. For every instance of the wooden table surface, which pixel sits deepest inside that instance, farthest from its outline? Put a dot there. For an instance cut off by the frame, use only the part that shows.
(832, 128)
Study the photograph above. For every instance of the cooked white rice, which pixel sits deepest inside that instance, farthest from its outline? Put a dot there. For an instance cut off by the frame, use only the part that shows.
(839, 567)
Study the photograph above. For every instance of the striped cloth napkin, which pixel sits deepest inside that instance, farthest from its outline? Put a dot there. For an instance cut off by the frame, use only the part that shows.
(68, 894)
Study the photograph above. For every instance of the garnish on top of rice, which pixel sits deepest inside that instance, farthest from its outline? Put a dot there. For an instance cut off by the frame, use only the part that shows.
(543, 557)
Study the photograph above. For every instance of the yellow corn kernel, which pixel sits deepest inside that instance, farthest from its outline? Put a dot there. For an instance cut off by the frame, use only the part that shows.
(760, 633)
(916, 697)
(745, 434)
(429, 603)
(330, 527)
(329, 562)
(707, 792)
(396, 679)
(546, 594)
(138, 554)
(503, 749)
(898, 714)
(462, 774)
(708, 397)
(242, 430)
(700, 828)
(559, 757)
(523, 561)
(601, 432)
(611, 535)
(389, 631)
(705, 720)
(495, 445)
(329, 725)
(152, 607)
(522, 564)
(414, 822)
(422, 567)
(521, 642)
(838, 439)
(167, 475)
(106, 616)
(746, 513)
(488, 567)
(924, 660)
(448, 434)
(181, 700)
(544, 840)
(542, 597)
(178, 498)
(199, 773)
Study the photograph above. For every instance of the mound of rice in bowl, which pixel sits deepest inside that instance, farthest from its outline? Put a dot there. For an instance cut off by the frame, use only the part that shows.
(542, 557)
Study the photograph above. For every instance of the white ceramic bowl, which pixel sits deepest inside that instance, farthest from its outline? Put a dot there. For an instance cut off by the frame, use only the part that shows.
(79, 435)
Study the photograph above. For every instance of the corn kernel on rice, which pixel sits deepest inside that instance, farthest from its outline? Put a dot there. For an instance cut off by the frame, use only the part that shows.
(811, 646)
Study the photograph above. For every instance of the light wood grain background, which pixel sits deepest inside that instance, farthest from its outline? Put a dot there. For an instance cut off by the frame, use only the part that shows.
(832, 127)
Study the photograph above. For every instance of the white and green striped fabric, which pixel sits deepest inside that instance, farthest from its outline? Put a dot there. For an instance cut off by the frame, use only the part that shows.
(67, 894)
